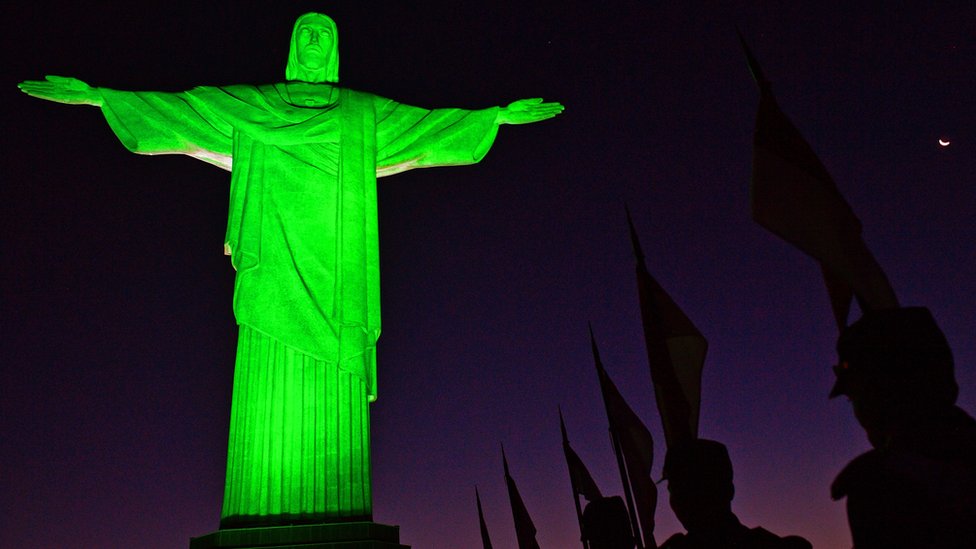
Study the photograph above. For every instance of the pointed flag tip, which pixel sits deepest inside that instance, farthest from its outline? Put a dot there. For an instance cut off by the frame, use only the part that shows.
(754, 68)
(634, 241)
(562, 427)
(593, 347)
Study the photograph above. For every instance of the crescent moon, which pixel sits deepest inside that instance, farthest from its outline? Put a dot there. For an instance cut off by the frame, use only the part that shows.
(944, 143)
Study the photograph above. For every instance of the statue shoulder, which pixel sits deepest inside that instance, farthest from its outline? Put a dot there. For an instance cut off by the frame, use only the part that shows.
(249, 90)
(261, 96)
(245, 92)
(365, 97)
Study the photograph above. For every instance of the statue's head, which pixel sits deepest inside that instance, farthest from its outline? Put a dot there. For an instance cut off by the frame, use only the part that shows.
(314, 52)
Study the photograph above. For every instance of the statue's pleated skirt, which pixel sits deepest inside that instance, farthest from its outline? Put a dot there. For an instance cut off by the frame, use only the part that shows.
(299, 439)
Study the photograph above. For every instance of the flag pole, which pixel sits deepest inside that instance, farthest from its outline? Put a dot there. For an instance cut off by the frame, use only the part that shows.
(624, 479)
(628, 497)
(572, 482)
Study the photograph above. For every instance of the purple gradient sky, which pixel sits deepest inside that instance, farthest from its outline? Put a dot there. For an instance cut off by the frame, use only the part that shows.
(118, 333)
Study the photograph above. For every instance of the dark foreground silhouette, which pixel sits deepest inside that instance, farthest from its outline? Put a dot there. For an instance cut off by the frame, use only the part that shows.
(606, 524)
(917, 486)
(699, 474)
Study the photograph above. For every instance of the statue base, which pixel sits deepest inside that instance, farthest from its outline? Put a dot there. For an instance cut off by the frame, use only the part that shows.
(341, 535)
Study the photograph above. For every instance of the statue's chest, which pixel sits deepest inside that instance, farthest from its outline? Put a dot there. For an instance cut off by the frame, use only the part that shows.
(306, 95)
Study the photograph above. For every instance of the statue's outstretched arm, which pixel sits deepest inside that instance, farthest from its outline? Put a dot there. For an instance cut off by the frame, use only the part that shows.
(62, 89)
(527, 111)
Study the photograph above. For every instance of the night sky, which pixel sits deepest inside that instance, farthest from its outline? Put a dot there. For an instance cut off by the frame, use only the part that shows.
(119, 340)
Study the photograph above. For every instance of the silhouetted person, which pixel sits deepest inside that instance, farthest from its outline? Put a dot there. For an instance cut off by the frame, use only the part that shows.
(917, 487)
(699, 474)
(606, 524)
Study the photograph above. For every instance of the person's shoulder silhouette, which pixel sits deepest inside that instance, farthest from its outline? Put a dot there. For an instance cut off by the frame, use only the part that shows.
(749, 538)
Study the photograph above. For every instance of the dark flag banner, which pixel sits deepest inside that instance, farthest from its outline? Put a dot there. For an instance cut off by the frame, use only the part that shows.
(636, 446)
(675, 351)
(580, 479)
(485, 540)
(579, 475)
(794, 197)
(524, 528)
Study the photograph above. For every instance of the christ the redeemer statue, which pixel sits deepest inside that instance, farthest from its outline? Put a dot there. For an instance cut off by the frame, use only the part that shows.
(304, 156)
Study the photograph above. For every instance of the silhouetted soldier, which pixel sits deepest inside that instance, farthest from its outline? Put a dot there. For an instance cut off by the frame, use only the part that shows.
(917, 487)
(699, 474)
(606, 524)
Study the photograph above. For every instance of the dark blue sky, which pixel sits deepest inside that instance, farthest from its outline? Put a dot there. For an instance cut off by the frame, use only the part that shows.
(118, 336)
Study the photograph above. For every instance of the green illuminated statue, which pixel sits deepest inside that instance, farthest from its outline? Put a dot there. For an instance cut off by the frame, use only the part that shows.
(304, 156)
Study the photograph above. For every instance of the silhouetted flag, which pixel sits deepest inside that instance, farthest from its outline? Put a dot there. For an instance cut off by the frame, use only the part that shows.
(795, 198)
(524, 529)
(579, 478)
(675, 351)
(579, 475)
(636, 445)
(485, 540)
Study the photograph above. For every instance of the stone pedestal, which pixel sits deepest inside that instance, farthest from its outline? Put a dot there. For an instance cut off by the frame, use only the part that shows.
(344, 535)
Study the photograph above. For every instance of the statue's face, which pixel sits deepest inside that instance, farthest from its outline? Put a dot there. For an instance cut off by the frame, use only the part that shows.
(314, 41)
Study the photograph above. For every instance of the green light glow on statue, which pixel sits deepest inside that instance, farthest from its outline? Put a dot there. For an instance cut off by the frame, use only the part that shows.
(304, 156)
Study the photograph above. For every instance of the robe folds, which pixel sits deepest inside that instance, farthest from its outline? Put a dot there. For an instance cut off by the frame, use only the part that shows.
(302, 223)
(303, 182)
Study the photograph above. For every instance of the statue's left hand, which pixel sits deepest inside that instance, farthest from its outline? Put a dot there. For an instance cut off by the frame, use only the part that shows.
(527, 111)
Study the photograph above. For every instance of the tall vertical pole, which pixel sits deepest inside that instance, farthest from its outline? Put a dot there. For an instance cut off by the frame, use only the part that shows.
(628, 496)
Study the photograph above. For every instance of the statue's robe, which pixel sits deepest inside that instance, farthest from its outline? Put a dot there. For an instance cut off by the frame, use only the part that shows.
(302, 234)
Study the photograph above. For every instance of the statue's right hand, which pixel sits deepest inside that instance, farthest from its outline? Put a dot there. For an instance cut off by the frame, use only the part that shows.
(62, 89)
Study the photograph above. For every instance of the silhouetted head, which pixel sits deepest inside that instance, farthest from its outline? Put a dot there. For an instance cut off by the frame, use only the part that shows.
(699, 474)
(895, 366)
(314, 52)
(606, 524)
